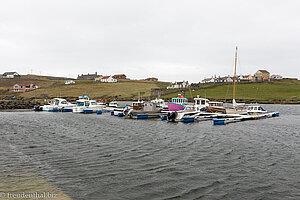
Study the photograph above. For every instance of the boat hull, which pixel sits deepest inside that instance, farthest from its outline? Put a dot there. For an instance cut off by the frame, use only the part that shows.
(175, 106)
(236, 111)
(215, 110)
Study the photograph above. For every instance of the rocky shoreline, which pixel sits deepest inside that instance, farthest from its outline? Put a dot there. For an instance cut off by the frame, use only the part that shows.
(17, 104)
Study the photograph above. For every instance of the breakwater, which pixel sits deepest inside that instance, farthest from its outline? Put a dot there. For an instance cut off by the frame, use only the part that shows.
(17, 104)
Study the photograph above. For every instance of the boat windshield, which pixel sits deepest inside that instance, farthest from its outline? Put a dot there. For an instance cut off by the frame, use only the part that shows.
(93, 103)
(200, 102)
(56, 102)
(79, 103)
(262, 109)
(87, 103)
(64, 102)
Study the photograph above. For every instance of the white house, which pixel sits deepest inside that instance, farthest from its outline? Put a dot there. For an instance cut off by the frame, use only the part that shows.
(108, 79)
(208, 80)
(68, 82)
(226, 79)
(178, 85)
(11, 75)
(24, 88)
(246, 77)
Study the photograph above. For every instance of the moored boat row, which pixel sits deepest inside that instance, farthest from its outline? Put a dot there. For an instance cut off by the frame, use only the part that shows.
(179, 109)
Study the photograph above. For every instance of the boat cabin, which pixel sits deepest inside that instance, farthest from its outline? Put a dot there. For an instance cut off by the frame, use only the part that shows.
(137, 105)
(180, 100)
(58, 102)
(84, 97)
(255, 109)
(215, 104)
(201, 101)
(86, 103)
(150, 107)
(113, 104)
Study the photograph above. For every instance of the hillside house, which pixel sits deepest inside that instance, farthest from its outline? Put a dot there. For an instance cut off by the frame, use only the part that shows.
(178, 85)
(87, 76)
(225, 79)
(69, 82)
(98, 79)
(108, 79)
(119, 76)
(246, 77)
(276, 77)
(24, 87)
(262, 75)
(11, 75)
(151, 79)
(208, 80)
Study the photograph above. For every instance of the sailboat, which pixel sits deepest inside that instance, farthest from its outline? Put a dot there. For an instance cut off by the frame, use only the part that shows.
(237, 108)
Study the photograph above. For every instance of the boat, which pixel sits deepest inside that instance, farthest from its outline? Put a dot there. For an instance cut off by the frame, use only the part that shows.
(177, 103)
(143, 110)
(85, 105)
(255, 109)
(118, 111)
(200, 104)
(236, 108)
(215, 107)
(189, 116)
(190, 112)
(58, 104)
(111, 106)
(181, 115)
(160, 103)
(238, 118)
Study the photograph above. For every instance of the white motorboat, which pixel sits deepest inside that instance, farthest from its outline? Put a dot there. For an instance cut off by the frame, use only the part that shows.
(58, 104)
(255, 109)
(85, 105)
(143, 110)
(190, 112)
(160, 103)
(111, 106)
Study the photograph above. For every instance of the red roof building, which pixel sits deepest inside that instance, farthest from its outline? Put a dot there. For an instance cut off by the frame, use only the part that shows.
(24, 87)
(119, 76)
(105, 77)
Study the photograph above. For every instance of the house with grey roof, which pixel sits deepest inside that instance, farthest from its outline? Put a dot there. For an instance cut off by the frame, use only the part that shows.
(87, 76)
(178, 85)
(11, 75)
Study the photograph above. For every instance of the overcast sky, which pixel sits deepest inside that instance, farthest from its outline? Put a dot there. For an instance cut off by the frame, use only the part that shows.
(168, 39)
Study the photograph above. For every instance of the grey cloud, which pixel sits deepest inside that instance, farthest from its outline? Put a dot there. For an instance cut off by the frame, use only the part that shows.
(172, 40)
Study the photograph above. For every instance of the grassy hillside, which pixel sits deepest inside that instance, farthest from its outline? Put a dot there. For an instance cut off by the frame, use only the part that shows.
(269, 92)
(55, 87)
(41, 81)
(284, 91)
(121, 90)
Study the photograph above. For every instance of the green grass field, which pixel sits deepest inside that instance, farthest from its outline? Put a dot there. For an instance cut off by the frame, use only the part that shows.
(284, 91)
(268, 92)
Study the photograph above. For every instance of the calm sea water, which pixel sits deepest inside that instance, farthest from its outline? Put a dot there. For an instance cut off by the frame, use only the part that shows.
(106, 157)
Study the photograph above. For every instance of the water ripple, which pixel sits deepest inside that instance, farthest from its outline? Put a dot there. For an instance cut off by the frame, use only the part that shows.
(106, 157)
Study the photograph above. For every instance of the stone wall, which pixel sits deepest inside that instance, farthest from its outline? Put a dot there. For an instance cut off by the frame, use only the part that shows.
(16, 104)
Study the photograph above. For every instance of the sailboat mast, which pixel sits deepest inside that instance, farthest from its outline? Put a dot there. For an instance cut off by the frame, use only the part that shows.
(234, 77)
